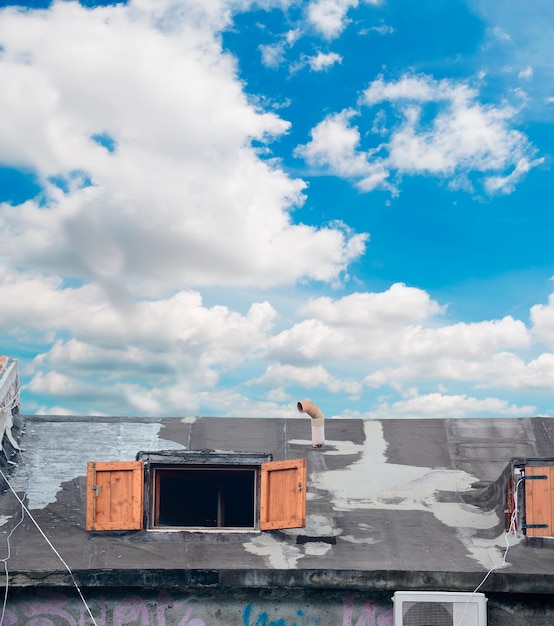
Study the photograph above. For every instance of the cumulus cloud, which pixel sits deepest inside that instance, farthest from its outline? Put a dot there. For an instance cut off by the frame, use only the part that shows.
(149, 186)
(438, 405)
(526, 73)
(542, 318)
(334, 146)
(273, 54)
(308, 377)
(320, 62)
(330, 17)
(439, 128)
(502, 370)
(399, 304)
(158, 180)
(399, 337)
(172, 342)
(168, 356)
(323, 61)
(401, 324)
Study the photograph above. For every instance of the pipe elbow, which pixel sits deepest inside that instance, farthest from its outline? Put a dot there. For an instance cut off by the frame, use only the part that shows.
(305, 406)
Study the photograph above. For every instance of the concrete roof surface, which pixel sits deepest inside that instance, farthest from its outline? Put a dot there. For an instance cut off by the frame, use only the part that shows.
(409, 503)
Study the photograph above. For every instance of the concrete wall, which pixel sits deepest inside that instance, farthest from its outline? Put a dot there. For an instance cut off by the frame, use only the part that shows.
(132, 607)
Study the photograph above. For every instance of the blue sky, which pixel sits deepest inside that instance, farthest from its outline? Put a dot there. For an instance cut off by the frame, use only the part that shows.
(224, 207)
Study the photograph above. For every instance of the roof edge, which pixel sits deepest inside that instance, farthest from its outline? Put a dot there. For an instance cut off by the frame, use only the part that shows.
(371, 580)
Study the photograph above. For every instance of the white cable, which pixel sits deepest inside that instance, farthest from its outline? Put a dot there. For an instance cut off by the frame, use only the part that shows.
(53, 548)
(13, 402)
(511, 529)
(8, 544)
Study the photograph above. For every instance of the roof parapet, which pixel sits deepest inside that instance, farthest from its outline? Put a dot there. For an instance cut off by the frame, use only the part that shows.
(9, 398)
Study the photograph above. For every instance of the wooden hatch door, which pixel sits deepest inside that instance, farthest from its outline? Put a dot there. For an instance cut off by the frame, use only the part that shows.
(115, 494)
(539, 501)
(283, 494)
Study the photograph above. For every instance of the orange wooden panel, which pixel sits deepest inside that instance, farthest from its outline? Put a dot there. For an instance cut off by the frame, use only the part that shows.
(115, 495)
(539, 501)
(283, 494)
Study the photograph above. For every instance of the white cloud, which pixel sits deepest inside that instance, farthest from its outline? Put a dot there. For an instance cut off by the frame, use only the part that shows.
(463, 137)
(334, 145)
(383, 29)
(507, 184)
(499, 34)
(399, 304)
(400, 325)
(137, 125)
(439, 405)
(95, 353)
(273, 54)
(328, 17)
(167, 342)
(323, 61)
(398, 338)
(542, 318)
(182, 199)
(502, 370)
(312, 341)
(307, 377)
(526, 73)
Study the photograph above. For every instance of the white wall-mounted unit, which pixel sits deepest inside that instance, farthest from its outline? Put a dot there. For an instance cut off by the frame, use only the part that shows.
(439, 608)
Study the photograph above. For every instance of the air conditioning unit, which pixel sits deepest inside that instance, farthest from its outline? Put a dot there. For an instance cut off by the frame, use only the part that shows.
(430, 608)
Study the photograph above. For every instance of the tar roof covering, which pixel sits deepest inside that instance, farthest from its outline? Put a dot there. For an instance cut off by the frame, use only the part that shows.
(410, 503)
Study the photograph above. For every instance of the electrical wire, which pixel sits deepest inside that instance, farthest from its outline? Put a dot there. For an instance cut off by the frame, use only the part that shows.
(26, 510)
(8, 543)
(512, 529)
(13, 402)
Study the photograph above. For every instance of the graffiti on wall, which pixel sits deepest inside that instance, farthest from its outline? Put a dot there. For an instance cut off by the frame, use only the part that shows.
(52, 608)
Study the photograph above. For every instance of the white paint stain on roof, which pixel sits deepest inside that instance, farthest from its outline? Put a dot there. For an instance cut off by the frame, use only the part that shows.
(275, 553)
(372, 482)
(58, 452)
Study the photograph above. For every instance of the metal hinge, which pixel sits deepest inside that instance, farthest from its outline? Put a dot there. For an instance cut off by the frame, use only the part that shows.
(538, 477)
(535, 525)
(96, 489)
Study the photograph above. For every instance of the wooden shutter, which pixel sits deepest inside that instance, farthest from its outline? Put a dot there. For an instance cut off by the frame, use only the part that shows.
(115, 495)
(539, 501)
(283, 494)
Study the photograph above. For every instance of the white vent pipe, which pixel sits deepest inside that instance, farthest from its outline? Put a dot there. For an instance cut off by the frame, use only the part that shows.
(318, 420)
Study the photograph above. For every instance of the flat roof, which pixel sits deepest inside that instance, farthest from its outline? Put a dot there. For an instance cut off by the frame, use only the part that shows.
(412, 504)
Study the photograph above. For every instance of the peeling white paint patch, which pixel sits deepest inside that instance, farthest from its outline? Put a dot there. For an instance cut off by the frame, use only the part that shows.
(372, 482)
(365, 540)
(189, 420)
(465, 515)
(58, 452)
(317, 549)
(275, 553)
(317, 526)
(481, 549)
(4, 519)
(280, 555)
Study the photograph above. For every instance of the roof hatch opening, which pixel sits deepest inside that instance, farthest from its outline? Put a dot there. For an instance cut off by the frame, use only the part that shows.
(205, 497)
